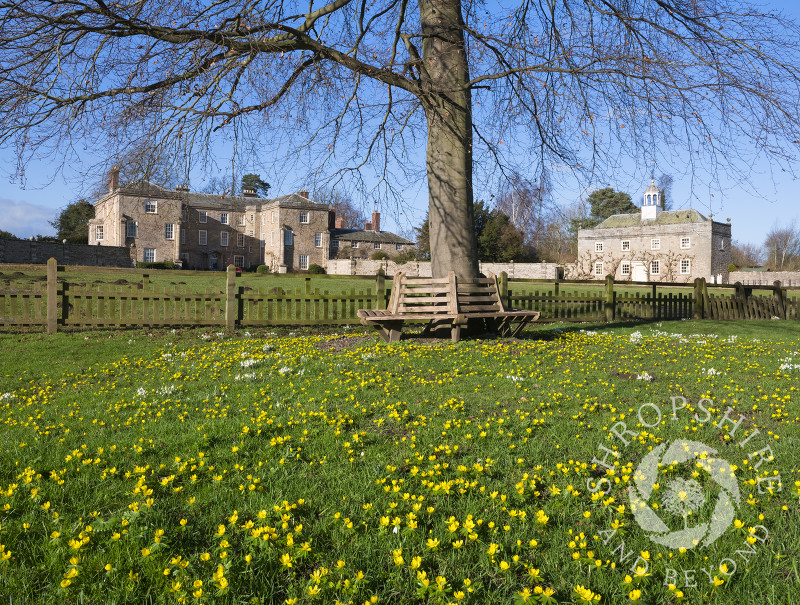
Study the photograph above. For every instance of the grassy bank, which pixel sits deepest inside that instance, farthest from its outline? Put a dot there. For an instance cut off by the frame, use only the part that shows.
(272, 467)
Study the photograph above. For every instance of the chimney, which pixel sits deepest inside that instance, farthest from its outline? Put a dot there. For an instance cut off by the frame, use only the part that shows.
(303, 193)
(340, 222)
(249, 193)
(331, 217)
(376, 220)
(184, 188)
(114, 179)
(367, 226)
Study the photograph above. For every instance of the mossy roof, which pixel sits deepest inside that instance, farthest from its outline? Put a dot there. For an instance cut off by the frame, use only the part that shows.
(667, 217)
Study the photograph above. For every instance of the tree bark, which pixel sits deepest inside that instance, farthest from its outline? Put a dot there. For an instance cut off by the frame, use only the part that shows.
(448, 107)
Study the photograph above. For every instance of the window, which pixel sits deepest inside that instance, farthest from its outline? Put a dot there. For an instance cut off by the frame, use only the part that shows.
(721, 244)
(318, 240)
(303, 216)
(685, 243)
(272, 238)
(302, 261)
(202, 238)
(183, 235)
(686, 266)
(98, 233)
(598, 268)
(150, 207)
(223, 218)
(185, 259)
(376, 245)
(203, 216)
(131, 229)
(240, 240)
(238, 261)
(655, 267)
(183, 214)
(263, 219)
(288, 238)
(169, 231)
(626, 268)
(252, 217)
(398, 246)
(334, 243)
(241, 220)
(626, 245)
(272, 217)
(598, 246)
(355, 245)
(251, 233)
(655, 244)
(149, 255)
(223, 238)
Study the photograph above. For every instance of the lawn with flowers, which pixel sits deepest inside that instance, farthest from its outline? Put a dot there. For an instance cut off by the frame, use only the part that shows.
(253, 467)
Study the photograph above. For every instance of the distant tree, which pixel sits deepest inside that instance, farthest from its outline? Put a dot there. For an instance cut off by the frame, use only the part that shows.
(72, 223)
(423, 237)
(608, 202)
(664, 185)
(603, 203)
(256, 183)
(746, 255)
(500, 241)
(782, 247)
(7, 235)
(343, 205)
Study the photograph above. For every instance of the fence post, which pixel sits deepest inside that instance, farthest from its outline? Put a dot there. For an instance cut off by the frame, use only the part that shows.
(698, 299)
(778, 295)
(230, 298)
(145, 280)
(502, 286)
(380, 288)
(609, 297)
(52, 290)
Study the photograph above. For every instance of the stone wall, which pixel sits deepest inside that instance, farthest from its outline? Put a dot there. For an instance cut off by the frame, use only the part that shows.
(765, 278)
(28, 252)
(423, 269)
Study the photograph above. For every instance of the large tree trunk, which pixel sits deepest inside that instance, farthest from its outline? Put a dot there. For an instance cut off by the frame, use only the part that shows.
(448, 106)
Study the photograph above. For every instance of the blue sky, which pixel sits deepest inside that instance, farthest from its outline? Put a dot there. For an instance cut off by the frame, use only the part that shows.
(753, 210)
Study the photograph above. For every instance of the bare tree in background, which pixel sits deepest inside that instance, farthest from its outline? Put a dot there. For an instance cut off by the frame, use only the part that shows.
(346, 209)
(569, 84)
(744, 254)
(782, 247)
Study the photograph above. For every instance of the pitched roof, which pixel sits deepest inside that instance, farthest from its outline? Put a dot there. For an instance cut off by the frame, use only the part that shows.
(358, 235)
(667, 217)
(196, 198)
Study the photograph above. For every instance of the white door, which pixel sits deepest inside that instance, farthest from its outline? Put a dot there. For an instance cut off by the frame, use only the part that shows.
(638, 271)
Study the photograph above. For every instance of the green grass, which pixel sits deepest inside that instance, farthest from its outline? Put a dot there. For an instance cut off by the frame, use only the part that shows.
(147, 466)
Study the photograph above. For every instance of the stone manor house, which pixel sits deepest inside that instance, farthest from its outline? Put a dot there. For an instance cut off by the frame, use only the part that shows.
(205, 231)
(655, 245)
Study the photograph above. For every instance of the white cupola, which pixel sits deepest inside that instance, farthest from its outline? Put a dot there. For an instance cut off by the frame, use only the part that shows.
(651, 205)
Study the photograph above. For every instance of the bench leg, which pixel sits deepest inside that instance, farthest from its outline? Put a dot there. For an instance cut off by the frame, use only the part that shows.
(455, 332)
(390, 331)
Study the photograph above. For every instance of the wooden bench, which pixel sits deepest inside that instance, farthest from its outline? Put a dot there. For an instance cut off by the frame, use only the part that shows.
(445, 302)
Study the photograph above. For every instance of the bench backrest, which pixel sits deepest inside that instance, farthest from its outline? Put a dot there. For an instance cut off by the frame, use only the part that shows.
(423, 295)
(479, 295)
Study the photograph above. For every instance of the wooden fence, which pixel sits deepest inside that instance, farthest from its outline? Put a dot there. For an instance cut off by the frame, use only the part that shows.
(59, 305)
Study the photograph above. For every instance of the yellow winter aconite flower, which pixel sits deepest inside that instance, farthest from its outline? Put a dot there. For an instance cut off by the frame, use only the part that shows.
(586, 595)
(635, 595)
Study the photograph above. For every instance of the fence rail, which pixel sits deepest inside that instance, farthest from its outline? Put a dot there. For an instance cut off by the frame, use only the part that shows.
(62, 305)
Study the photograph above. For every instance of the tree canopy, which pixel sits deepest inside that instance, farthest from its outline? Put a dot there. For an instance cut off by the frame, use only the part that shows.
(255, 183)
(72, 223)
(356, 87)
